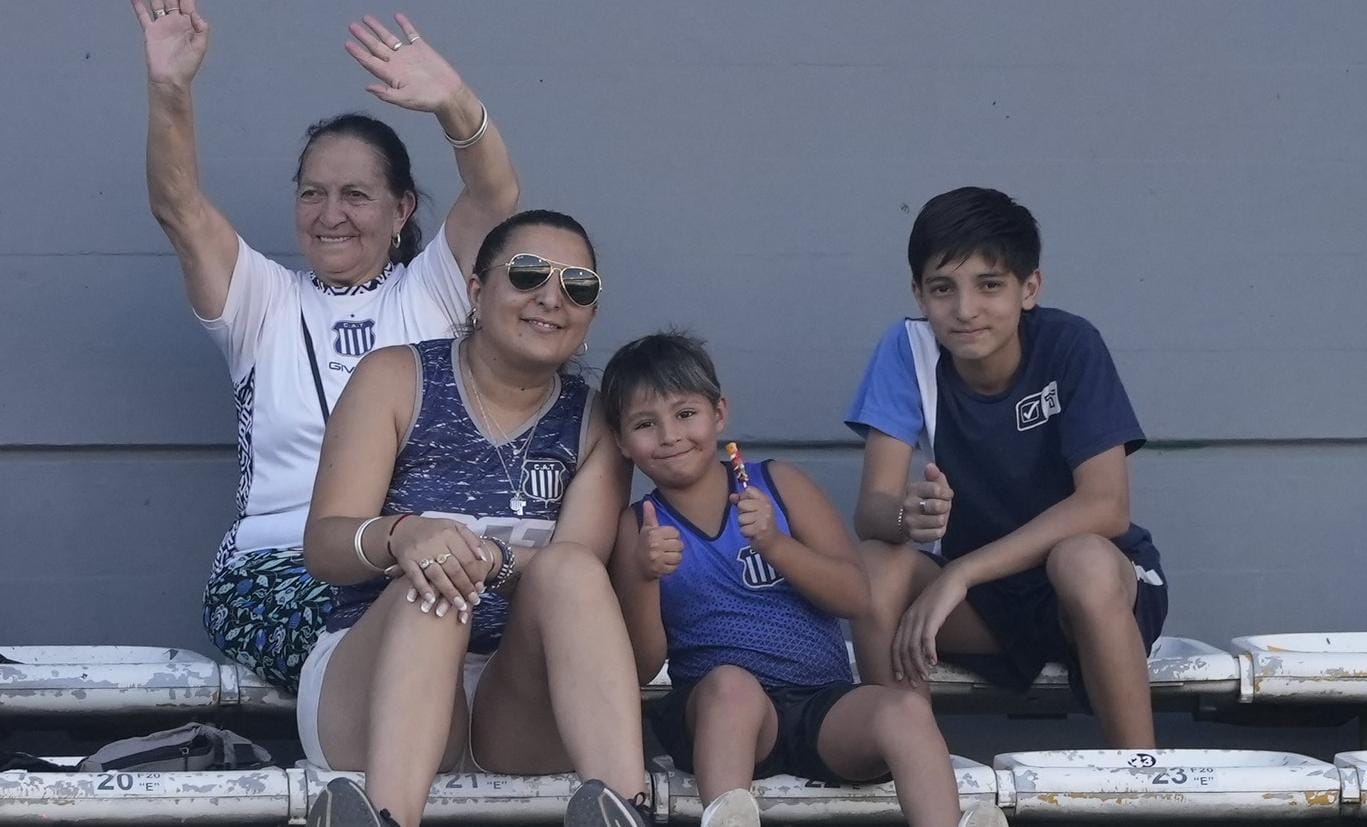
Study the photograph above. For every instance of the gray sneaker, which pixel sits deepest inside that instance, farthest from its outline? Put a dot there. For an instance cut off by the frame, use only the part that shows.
(343, 803)
(983, 815)
(595, 805)
(734, 808)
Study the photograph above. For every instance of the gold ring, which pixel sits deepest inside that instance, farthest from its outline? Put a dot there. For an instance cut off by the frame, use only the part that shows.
(443, 558)
(415, 38)
(397, 45)
(423, 564)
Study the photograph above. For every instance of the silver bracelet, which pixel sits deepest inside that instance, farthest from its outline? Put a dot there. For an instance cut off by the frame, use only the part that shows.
(360, 550)
(902, 523)
(473, 139)
(506, 577)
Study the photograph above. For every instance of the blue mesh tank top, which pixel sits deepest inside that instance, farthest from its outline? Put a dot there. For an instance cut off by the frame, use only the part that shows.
(448, 467)
(726, 605)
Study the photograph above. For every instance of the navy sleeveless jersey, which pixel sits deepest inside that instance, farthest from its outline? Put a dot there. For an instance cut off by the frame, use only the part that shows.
(726, 605)
(448, 467)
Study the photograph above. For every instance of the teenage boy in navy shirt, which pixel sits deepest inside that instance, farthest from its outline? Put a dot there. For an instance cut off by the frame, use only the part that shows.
(1027, 428)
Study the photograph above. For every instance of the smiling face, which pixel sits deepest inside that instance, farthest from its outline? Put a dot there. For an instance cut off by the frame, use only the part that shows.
(672, 437)
(974, 307)
(541, 326)
(345, 215)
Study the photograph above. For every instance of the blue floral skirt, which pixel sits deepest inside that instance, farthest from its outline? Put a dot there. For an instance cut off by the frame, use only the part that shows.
(264, 610)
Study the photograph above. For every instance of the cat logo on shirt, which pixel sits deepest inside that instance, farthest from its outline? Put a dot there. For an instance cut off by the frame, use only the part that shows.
(353, 338)
(543, 478)
(757, 572)
(1035, 409)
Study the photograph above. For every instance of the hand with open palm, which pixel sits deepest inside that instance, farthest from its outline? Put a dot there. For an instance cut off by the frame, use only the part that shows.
(414, 75)
(176, 37)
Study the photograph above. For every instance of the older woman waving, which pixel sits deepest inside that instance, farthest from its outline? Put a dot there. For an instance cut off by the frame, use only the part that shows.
(292, 339)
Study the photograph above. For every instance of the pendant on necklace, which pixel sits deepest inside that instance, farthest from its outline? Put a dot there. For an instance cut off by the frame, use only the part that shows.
(517, 504)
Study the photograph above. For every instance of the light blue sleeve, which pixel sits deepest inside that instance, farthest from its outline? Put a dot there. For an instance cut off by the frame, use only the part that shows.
(888, 398)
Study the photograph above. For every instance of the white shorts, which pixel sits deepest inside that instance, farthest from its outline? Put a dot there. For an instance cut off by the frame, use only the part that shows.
(311, 688)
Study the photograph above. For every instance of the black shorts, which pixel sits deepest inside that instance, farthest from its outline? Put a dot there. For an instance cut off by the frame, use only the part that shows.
(1022, 612)
(801, 712)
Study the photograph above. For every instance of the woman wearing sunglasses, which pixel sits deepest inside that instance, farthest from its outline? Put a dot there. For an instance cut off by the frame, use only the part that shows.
(293, 338)
(465, 504)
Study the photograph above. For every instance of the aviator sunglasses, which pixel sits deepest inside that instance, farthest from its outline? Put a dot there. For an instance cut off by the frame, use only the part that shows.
(528, 271)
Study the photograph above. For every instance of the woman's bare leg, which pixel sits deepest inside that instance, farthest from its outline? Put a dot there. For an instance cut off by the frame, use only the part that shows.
(392, 703)
(561, 693)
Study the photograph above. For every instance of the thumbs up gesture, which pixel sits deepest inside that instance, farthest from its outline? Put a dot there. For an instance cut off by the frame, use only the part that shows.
(659, 548)
(925, 511)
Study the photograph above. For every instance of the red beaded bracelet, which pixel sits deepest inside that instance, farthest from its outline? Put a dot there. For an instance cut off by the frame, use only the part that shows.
(390, 536)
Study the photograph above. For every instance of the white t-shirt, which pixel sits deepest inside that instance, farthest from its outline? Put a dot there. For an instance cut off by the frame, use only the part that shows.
(279, 423)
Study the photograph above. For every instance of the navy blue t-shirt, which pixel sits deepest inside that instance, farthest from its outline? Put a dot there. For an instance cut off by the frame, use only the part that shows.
(1011, 455)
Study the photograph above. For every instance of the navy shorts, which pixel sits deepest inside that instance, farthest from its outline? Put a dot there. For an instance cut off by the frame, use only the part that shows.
(1023, 613)
(801, 712)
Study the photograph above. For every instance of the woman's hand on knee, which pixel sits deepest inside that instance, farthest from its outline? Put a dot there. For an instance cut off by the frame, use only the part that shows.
(444, 561)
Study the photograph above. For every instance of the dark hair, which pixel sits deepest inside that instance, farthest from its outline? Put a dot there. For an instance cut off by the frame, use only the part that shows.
(398, 170)
(497, 238)
(661, 363)
(974, 221)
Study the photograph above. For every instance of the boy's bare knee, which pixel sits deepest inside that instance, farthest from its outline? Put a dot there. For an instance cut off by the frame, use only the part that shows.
(1090, 573)
(897, 574)
(898, 709)
(730, 686)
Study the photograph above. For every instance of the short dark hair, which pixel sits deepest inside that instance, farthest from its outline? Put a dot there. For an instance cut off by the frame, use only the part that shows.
(663, 363)
(398, 169)
(974, 221)
(497, 238)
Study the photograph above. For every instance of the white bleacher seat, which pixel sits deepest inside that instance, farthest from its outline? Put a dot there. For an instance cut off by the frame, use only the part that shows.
(93, 680)
(659, 685)
(1311, 668)
(1353, 780)
(242, 688)
(1231, 785)
(266, 796)
(787, 799)
(464, 798)
(1181, 671)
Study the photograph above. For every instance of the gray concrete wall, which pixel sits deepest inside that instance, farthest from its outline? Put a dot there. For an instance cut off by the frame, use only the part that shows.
(751, 171)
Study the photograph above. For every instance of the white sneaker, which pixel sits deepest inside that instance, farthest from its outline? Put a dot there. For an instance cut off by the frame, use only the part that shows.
(983, 815)
(736, 808)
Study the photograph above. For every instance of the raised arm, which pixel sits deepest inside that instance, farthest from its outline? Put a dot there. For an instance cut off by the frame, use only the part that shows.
(893, 508)
(818, 559)
(415, 76)
(643, 554)
(176, 37)
(882, 488)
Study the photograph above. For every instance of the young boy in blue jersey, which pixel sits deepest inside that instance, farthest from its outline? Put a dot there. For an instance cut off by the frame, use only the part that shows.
(1027, 426)
(741, 586)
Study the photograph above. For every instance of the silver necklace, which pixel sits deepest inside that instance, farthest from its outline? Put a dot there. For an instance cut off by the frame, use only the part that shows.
(518, 503)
